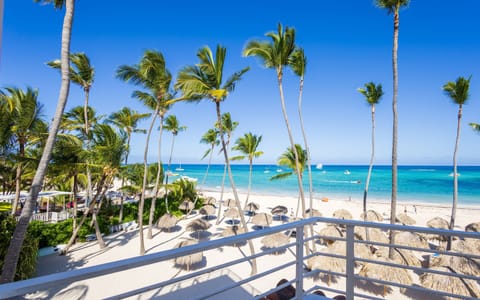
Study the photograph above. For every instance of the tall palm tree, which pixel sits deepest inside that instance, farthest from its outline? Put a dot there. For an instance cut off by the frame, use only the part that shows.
(277, 54)
(13, 252)
(475, 126)
(205, 81)
(393, 7)
(458, 91)
(248, 145)
(210, 138)
(127, 120)
(373, 93)
(25, 126)
(81, 73)
(152, 75)
(173, 125)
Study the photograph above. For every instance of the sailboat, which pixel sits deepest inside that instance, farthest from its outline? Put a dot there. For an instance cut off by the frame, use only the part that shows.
(179, 167)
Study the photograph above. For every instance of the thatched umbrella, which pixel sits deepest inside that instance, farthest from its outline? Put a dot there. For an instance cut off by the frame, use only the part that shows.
(459, 264)
(471, 246)
(474, 227)
(342, 214)
(360, 250)
(450, 284)
(207, 210)
(411, 239)
(233, 230)
(210, 201)
(190, 259)
(374, 234)
(186, 205)
(329, 263)
(279, 210)
(400, 256)
(275, 240)
(167, 221)
(405, 219)
(198, 225)
(231, 213)
(252, 207)
(373, 216)
(230, 203)
(262, 219)
(386, 273)
(315, 213)
(438, 223)
(330, 231)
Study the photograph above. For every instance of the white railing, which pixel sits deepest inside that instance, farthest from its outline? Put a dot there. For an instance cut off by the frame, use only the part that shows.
(61, 280)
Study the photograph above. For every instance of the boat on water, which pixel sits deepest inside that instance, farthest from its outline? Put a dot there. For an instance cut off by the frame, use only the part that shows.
(347, 172)
(319, 166)
(279, 170)
(180, 168)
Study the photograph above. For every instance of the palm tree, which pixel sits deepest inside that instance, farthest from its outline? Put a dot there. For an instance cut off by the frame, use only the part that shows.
(205, 81)
(393, 7)
(372, 94)
(25, 127)
(458, 91)
(209, 138)
(248, 145)
(151, 74)
(277, 54)
(173, 125)
(127, 120)
(13, 252)
(475, 126)
(82, 74)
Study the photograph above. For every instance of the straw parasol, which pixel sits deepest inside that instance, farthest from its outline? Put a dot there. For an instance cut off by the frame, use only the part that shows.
(275, 240)
(372, 216)
(230, 203)
(459, 264)
(474, 227)
(387, 273)
(207, 210)
(410, 239)
(167, 221)
(438, 223)
(231, 213)
(374, 234)
(342, 214)
(400, 256)
(233, 230)
(279, 210)
(327, 263)
(186, 205)
(360, 250)
(466, 246)
(188, 260)
(252, 207)
(210, 201)
(262, 219)
(315, 213)
(198, 225)
(330, 231)
(405, 219)
(449, 284)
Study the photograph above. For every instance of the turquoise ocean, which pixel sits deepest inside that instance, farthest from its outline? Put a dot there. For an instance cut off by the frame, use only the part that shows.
(427, 184)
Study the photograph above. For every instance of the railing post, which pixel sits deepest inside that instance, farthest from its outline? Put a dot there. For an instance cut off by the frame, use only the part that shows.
(350, 261)
(299, 264)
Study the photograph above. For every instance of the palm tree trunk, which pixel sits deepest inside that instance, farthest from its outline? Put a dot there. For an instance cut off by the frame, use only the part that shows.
(455, 180)
(13, 252)
(393, 206)
(166, 178)
(249, 183)
(74, 226)
(221, 194)
(144, 184)
(372, 156)
(234, 190)
(120, 216)
(208, 166)
(157, 182)
(18, 181)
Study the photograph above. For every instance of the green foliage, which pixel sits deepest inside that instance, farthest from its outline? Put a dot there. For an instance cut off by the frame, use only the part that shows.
(28, 255)
(4, 206)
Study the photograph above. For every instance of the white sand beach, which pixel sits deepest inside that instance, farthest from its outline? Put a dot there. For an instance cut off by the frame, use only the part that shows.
(125, 245)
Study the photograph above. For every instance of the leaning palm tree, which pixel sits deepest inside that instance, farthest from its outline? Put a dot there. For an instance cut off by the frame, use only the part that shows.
(248, 145)
(372, 94)
(475, 126)
(205, 81)
(82, 74)
(13, 252)
(27, 120)
(458, 92)
(393, 7)
(210, 138)
(127, 120)
(151, 74)
(277, 54)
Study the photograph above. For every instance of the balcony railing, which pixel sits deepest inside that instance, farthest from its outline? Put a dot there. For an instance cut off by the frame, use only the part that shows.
(301, 277)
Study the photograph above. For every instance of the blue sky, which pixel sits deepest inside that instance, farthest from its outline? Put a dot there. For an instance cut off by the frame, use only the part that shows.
(346, 43)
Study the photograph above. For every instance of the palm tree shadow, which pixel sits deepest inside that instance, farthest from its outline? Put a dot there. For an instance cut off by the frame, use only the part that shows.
(233, 222)
(194, 266)
(373, 288)
(209, 217)
(323, 277)
(76, 292)
(279, 252)
(415, 294)
(257, 227)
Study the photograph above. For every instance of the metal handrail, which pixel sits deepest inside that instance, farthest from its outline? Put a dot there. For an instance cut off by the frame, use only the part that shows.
(62, 279)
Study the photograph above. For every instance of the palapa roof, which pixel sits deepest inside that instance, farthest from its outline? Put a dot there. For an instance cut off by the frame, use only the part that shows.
(438, 223)
(167, 221)
(252, 206)
(386, 273)
(373, 216)
(342, 214)
(459, 264)
(400, 256)
(374, 234)
(198, 225)
(360, 250)
(330, 231)
(207, 210)
(232, 213)
(411, 239)
(188, 260)
(449, 284)
(471, 246)
(315, 213)
(230, 203)
(210, 201)
(275, 240)
(262, 219)
(279, 210)
(475, 227)
(232, 230)
(186, 205)
(405, 219)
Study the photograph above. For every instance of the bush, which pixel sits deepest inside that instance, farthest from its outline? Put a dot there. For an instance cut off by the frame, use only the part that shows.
(27, 261)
